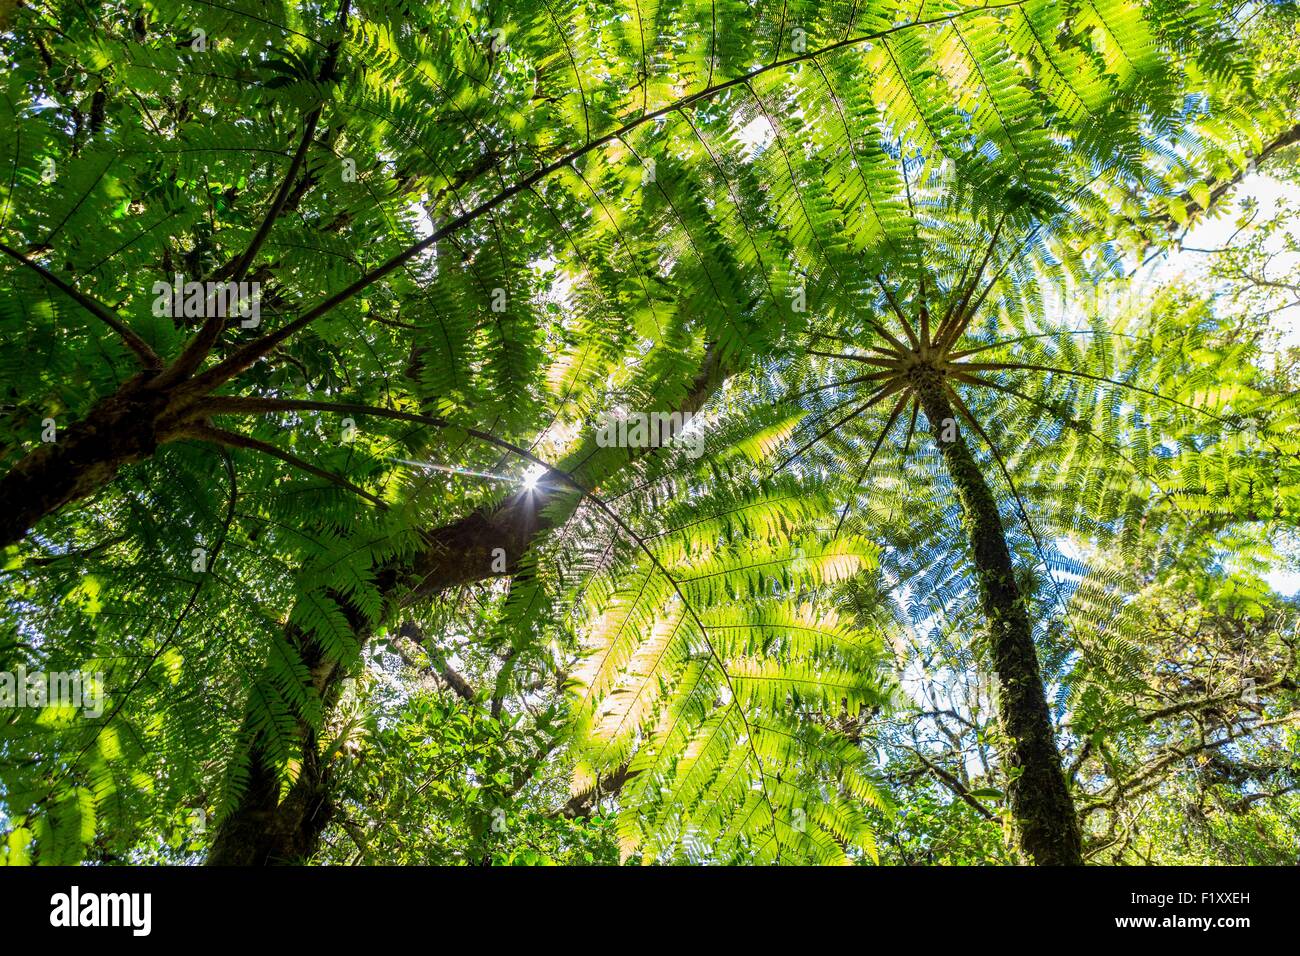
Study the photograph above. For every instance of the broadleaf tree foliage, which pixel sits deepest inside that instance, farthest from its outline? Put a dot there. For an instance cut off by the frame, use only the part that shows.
(661, 432)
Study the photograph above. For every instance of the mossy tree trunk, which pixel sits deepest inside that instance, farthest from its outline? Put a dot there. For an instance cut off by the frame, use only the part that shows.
(1046, 824)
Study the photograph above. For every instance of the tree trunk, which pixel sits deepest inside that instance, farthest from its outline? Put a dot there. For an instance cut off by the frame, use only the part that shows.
(83, 458)
(262, 829)
(1046, 824)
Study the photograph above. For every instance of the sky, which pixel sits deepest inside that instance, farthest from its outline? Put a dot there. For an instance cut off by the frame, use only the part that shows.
(1214, 234)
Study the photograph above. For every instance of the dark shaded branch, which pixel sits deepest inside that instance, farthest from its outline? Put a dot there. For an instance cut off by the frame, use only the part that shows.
(956, 786)
(235, 440)
(1150, 776)
(458, 684)
(581, 805)
(148, 358)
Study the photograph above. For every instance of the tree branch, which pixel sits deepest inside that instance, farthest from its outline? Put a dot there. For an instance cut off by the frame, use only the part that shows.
(250, 353)
(148, 358)
(235, 440)
(202, 343)
(955, 785)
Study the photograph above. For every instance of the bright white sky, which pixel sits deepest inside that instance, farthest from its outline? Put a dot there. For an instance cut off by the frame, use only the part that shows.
(1214, 233)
